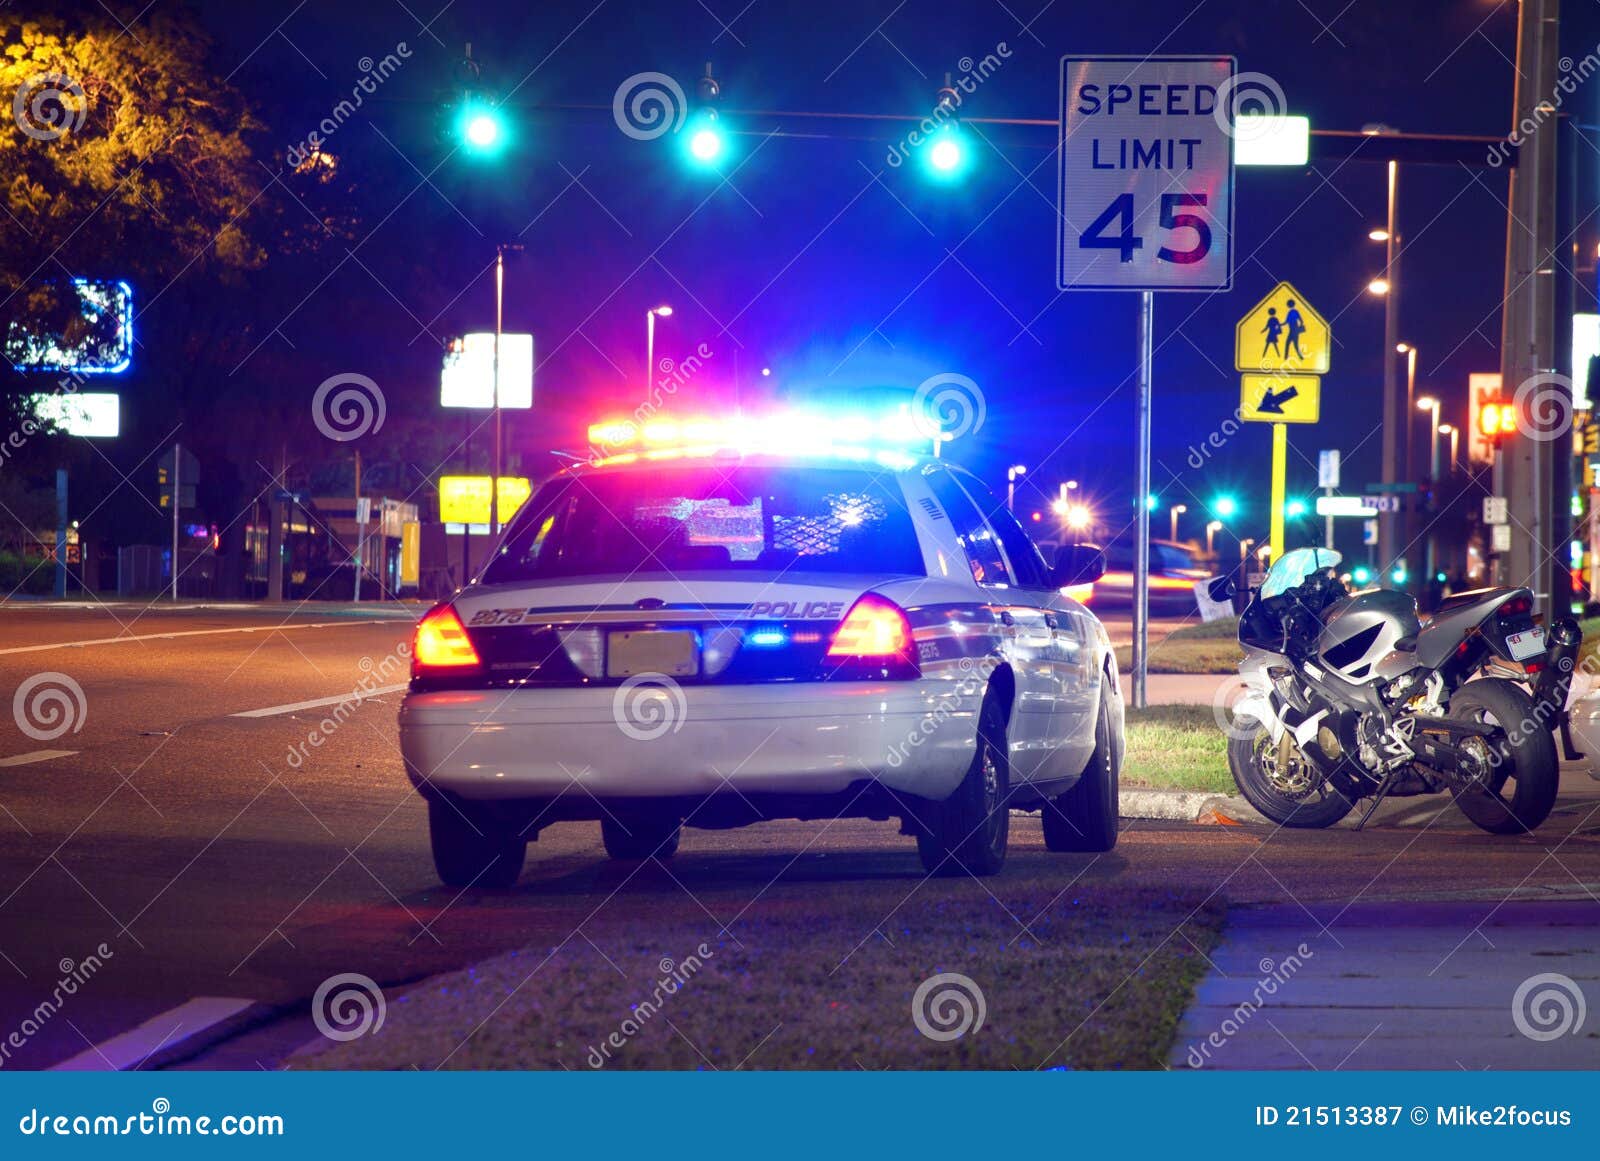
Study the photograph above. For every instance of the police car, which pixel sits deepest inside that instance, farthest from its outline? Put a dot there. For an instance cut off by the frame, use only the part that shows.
(728, 622)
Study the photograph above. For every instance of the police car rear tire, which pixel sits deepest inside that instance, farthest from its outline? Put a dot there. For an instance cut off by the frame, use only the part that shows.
(968, 832)
(1085, 817)
(471, 850)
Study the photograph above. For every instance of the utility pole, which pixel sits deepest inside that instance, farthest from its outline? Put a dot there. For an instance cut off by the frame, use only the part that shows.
(1527, 343)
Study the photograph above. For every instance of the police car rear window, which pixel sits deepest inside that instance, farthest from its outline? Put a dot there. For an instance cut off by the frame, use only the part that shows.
(739, 518)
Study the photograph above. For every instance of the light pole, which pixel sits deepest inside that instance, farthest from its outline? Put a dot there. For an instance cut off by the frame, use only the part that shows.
(1430, 404)
(1454, 433)
(1012, 474)
(500, 253)
(1388, 286)
(650, 317)
(1211, 537)
(1174, 512)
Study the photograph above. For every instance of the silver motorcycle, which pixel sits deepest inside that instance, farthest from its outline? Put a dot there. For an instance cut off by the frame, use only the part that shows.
(1351, 696)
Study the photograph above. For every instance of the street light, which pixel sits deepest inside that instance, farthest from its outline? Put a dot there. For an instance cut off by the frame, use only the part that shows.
(1079, 517)
(1429, 403)
(1454, 433)
(1175, 511)
(1378, 286)
(650, 317)
(1211, 537)
(1012, 474)
(500, 253)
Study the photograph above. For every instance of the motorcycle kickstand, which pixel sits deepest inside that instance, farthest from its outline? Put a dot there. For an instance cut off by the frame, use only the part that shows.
(1377, 799)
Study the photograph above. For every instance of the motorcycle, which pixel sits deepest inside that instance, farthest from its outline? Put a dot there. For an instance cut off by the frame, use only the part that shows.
(1350, 695)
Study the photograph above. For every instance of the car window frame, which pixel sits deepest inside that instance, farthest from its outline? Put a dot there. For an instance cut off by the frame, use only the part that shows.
(932, 476)
(1034, 560)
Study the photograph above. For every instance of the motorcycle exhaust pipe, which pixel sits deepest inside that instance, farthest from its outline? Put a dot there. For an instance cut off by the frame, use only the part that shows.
(1554, 679)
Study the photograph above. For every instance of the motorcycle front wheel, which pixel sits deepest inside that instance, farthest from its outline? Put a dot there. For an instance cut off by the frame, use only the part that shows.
(1294, 795)
(1520, 752)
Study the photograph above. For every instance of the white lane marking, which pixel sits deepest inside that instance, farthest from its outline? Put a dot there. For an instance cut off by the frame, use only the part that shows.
(35, 756)
(355, 695)
(131, 1048)
(193, 633)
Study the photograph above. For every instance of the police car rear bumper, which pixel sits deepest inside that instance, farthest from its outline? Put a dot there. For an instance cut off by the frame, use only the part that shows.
(915, 737)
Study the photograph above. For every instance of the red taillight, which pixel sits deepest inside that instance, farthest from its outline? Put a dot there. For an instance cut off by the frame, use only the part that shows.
(874, 639)
(441, 643)
(1517, 607)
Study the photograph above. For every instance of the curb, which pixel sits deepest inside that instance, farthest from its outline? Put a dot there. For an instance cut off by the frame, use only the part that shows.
(1198, 806)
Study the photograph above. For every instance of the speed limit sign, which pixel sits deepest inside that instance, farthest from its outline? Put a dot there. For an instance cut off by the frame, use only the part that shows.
(1145, 173)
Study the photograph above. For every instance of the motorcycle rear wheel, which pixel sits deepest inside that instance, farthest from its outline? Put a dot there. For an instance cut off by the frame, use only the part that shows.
(1320, 807)
(1526, 753)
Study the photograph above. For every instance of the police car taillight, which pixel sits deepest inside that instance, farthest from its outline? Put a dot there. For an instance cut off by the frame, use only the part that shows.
(441, 644)
(873, 640)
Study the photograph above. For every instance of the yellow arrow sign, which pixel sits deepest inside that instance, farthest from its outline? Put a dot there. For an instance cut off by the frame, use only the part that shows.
(1283, 333)
(1280, 398)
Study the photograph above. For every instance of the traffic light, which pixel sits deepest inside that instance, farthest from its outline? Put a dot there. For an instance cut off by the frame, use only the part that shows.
(703, 138)
(1294, 508)
(1496, 420)
(1225, 507)
(945, 154)
(480, 128)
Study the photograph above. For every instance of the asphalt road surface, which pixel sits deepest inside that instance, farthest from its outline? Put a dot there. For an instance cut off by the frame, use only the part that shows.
(181, 821)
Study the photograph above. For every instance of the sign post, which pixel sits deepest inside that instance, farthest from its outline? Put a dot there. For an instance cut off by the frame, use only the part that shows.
(1282, 347)
(1144, 201)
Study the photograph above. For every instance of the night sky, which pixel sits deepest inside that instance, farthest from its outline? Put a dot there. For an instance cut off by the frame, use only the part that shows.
(846, 276)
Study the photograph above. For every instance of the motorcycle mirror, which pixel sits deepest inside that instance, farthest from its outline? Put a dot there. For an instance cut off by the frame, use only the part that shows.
(1221, 588)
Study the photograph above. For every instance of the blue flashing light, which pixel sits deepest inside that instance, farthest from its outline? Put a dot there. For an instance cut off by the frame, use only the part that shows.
(766, 639)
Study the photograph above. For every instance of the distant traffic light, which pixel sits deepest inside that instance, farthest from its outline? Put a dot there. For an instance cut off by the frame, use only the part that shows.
(477, 124)
(481, 128)
(1225, 507)
(1496, 420)
(704, 138)
(1295, 508)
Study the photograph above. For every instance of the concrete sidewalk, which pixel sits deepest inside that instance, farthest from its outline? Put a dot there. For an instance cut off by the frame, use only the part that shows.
(1184, 688)
(1444, 985)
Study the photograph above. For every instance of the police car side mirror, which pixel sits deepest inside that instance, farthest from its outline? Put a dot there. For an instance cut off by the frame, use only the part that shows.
(1079, 564)
(1221, 588)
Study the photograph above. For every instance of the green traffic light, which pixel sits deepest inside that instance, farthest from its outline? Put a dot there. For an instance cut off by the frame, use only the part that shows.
(1295, 508)
(1225, 506)
(481, 128)
(704, 144)
(946, 156)
(1361, 574)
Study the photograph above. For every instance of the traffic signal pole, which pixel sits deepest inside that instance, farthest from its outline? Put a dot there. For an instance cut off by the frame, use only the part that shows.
(1527, 344)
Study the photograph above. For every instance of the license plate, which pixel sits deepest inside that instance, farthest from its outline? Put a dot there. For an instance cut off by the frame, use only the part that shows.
(673, 652)
(1526, 644)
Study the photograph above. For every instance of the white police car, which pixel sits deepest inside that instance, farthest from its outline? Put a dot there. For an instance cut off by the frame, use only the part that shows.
(759, 620)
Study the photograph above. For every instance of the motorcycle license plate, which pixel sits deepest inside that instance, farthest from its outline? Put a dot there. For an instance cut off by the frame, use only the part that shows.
(1526, 644)
(672, 652)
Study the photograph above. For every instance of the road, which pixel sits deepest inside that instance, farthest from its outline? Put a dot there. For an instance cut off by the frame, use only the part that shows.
(179, 825)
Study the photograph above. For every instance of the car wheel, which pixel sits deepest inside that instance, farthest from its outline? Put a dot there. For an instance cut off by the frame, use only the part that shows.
(969, 830)
(1085, 817)
(640, 837)
(470, 851)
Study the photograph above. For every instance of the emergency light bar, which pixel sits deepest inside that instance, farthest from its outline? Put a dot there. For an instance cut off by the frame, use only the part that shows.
(790, 433)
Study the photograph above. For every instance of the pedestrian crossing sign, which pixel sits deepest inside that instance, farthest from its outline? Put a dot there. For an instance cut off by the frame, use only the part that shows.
(1283, 334)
